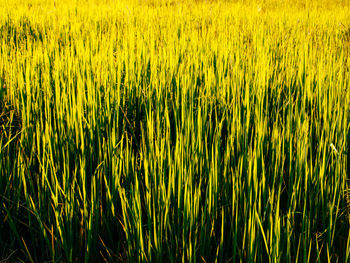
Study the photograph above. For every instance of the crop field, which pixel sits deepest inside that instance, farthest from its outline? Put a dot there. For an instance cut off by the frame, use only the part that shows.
(174, 131)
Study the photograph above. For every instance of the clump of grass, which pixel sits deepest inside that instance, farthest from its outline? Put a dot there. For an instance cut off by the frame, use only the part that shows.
(186, 132)
(10, 120)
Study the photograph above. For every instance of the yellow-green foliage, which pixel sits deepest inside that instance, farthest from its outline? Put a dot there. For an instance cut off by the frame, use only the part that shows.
(193, 131)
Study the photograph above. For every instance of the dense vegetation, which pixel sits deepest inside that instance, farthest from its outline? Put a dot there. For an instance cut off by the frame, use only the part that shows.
(174, 131)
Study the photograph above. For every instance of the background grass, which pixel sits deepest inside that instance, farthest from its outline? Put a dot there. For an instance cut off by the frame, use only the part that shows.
(193, 131)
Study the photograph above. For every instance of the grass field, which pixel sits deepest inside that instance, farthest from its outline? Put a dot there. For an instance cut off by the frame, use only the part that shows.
(174, 131)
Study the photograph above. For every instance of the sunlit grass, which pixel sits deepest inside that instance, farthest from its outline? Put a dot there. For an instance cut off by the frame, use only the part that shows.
(193, 131)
